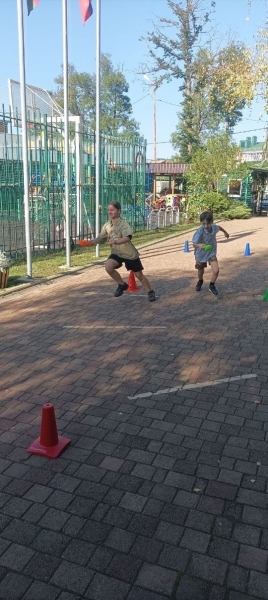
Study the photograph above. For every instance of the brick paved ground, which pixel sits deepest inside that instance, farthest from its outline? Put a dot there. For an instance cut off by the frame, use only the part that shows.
(158, 497)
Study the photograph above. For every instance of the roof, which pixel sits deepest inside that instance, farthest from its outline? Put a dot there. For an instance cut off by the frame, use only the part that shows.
(166, 168)
(256, 148)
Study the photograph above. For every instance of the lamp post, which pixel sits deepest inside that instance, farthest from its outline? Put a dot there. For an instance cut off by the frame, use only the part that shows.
(154, 85)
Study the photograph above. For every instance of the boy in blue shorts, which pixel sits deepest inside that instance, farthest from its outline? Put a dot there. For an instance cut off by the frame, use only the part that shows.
(205, 244)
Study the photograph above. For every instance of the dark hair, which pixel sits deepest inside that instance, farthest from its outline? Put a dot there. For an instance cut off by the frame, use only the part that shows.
(115, 204)
(206, 216)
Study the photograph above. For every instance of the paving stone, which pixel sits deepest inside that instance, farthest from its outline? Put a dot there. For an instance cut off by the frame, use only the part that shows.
(124, 567)
(101, 558)
(238, 578)
(223, 549)
(221, 490)
(143, 471)
(213, 506)
(247, 534)
(255, 516)
(42, 566)
(78, 552)
(16, 557)
(195, 540)
(258, 584)
(42, 591)
(143, 524)
(252, 498)
(217, 593)
(111, 463)
(192, 589)
(94, 532)
(200, 521)
(253, 558)
(168, 532)
(20, 532)
(228, 476)
(152, 507)
(103, 588)
(157, 579)
(141, 594)
(13, 586)
(210, 569)
(146, 548)
(72, 577)
(120, 540)
(133, 502)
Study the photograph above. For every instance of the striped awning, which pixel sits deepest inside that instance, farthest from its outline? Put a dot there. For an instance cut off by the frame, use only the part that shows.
(166, 168)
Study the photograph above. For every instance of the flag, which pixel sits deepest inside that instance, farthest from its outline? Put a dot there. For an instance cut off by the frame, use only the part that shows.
(31, 4)
(86, 10)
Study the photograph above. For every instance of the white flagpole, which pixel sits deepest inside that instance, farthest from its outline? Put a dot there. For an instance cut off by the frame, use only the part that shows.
(66, 131)
(97, 174)
(24, 136)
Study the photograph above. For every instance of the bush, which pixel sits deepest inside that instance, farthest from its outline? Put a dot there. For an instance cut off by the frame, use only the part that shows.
(237, 210)
(215, 201)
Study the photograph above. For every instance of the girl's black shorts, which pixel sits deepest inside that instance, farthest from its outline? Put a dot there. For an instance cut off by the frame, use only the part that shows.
(134, 265)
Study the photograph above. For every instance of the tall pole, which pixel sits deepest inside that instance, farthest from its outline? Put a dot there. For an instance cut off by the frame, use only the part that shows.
(66, 131)
(24, 137)
(97, 174)
(154, 95)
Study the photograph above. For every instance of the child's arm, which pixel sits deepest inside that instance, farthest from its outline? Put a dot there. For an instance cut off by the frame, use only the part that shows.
(201, 246)
(224, 232)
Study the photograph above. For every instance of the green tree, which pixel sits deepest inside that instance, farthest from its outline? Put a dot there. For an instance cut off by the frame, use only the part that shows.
(115, 104)
(209, 168)
(216, 84)
(232, 83)
(173, 57)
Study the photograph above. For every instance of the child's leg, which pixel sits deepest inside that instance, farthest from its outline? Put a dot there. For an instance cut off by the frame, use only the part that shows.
(144, 281)
(200, 273)
(110, 267)
(215, 270)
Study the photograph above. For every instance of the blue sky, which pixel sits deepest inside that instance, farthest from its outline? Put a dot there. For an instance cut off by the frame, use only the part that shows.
(123, 22)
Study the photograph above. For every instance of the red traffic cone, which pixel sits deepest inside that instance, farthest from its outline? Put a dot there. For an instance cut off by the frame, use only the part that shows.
(49, 443)
(132, 286)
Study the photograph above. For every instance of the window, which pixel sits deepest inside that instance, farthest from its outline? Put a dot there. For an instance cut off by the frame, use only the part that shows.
(235, 188)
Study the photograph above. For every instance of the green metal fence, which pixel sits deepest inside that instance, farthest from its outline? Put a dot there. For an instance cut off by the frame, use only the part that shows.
(123, 162)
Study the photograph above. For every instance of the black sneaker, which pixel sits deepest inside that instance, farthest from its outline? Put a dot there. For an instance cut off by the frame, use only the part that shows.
(122, 287)
(151, 296)
(198, 285)
(212, 289)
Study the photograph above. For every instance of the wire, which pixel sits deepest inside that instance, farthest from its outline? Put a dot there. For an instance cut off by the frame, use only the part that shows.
(236, 133)
(140, 99)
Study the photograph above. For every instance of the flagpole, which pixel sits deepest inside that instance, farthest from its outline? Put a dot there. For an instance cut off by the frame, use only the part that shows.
(66, 131)
(24, 136)
(97, 174)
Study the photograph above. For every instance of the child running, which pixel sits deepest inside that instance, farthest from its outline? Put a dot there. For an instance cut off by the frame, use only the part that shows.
(205, 244)
(118, 234)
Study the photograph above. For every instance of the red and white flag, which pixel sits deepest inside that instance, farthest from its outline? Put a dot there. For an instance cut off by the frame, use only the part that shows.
(86, 10)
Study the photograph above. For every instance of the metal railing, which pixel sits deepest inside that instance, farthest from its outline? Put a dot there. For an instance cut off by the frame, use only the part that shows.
(123, 162)
(162, 217)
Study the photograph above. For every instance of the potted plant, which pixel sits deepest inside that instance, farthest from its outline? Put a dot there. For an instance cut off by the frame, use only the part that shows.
(5, 264)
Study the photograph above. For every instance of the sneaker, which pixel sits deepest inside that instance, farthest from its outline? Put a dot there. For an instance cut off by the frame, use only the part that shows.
(212, 289)
(122, 287)
(151, 296)
(199, 285)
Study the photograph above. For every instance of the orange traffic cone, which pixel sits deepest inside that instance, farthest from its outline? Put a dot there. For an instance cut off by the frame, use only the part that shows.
(132, 286)
(49, 443)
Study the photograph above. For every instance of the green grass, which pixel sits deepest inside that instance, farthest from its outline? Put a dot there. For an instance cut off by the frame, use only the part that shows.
(49, 263)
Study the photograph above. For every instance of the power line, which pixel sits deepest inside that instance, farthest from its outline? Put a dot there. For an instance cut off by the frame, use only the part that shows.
(237, 132)
(140, 99)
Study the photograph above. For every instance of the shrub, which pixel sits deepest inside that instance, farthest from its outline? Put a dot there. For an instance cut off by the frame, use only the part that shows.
(215, 201)
(237, 210)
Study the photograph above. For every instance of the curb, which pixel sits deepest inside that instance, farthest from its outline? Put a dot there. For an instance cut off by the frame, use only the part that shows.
(25, 286)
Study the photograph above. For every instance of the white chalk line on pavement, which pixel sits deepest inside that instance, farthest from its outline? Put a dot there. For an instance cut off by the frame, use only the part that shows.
(192, 386)
(114, 327)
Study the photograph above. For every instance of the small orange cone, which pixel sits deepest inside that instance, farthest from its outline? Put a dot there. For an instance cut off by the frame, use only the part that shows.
(49, 443)
(132, 286)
